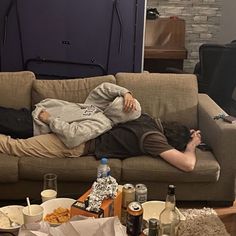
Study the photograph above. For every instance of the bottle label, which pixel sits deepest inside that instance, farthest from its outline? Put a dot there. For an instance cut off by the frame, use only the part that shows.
(103, 173)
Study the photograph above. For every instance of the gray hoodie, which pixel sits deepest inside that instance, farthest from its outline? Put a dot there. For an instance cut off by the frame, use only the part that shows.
(76, 123)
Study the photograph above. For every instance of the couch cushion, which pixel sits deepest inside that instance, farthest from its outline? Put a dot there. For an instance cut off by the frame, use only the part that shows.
(150, 169)
(73, 90)
(15, 89)
(9, 168)
(81, 169)
(168, 96)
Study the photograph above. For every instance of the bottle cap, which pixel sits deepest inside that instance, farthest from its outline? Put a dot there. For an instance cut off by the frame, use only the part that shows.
(171, 190)
(153, 223)
(104, 160)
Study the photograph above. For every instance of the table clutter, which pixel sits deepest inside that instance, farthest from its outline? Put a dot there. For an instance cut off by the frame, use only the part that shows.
(124, 207)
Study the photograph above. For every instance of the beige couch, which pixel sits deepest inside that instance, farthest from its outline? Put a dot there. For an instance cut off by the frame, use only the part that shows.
(168, 96)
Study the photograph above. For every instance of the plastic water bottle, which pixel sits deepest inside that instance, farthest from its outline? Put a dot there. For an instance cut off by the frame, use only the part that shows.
(103, 168)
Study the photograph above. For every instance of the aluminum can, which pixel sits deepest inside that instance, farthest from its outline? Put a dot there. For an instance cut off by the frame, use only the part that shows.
(140, 193)
(134, 219)
(128, 194)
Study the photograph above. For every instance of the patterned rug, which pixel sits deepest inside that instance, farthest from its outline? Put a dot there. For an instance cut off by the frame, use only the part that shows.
(201, 222)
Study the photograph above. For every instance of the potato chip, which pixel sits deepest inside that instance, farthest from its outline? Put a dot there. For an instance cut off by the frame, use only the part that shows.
(58, 216)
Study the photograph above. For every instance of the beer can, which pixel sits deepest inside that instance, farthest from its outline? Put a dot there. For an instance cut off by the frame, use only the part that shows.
(128, 194)
(134, 219)
(140, 193)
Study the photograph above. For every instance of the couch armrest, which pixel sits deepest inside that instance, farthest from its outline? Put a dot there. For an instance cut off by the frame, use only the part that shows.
(219, 134)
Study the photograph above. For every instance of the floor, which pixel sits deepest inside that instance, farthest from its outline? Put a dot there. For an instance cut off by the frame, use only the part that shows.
(226, 214)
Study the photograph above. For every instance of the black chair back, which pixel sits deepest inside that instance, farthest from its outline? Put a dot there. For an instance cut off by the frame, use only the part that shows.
(216, 72)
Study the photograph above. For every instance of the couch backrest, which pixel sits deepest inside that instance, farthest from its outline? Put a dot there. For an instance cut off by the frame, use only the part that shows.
(15, 89)
(172, 97)
(168, 96)
(74, 90)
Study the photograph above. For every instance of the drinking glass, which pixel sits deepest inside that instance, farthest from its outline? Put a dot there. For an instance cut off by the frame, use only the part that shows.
(49, 187)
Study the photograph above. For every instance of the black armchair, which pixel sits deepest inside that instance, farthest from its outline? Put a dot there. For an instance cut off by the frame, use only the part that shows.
(216, 72)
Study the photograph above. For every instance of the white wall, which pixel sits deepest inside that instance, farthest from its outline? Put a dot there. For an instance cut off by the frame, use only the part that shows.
(227, 31)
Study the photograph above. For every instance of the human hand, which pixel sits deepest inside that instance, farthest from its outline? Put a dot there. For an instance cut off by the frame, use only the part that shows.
(129, 103)
(44, 116)
(196, 137)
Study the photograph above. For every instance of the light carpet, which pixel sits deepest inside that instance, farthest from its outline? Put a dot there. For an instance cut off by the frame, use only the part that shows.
(201, 222)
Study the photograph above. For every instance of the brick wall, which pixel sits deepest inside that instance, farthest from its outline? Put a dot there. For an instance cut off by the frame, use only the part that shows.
(202, 19)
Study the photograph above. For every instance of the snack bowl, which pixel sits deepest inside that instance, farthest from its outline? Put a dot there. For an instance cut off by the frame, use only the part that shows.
(14, 213)
(55, 207)
(152, 209)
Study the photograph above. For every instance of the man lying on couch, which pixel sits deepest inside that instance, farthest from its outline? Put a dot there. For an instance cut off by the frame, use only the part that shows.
(172, 141)
(74, 123)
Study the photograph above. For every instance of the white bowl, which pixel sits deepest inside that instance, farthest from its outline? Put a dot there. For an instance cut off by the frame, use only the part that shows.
(14, 212)
(50, 205)
(152, 209)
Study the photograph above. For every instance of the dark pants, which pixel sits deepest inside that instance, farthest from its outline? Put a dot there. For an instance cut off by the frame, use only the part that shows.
(16, 123)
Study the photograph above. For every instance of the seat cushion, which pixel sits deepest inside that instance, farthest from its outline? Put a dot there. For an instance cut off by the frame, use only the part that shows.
(9, 168)
(15, 89)
(145, 168)
(73, 90)
(81, 169)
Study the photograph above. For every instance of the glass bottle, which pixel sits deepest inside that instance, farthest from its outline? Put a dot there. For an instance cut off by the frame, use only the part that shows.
(169, 217)
(153, 227)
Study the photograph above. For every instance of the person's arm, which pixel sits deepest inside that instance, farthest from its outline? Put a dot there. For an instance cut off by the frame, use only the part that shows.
(184, 160)
(106, 92)
(75, 133)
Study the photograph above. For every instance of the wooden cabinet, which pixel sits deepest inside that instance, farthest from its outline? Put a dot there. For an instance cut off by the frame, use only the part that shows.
(164, 44)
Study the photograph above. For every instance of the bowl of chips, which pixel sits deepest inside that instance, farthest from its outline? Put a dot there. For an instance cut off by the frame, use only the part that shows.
(57, 211)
